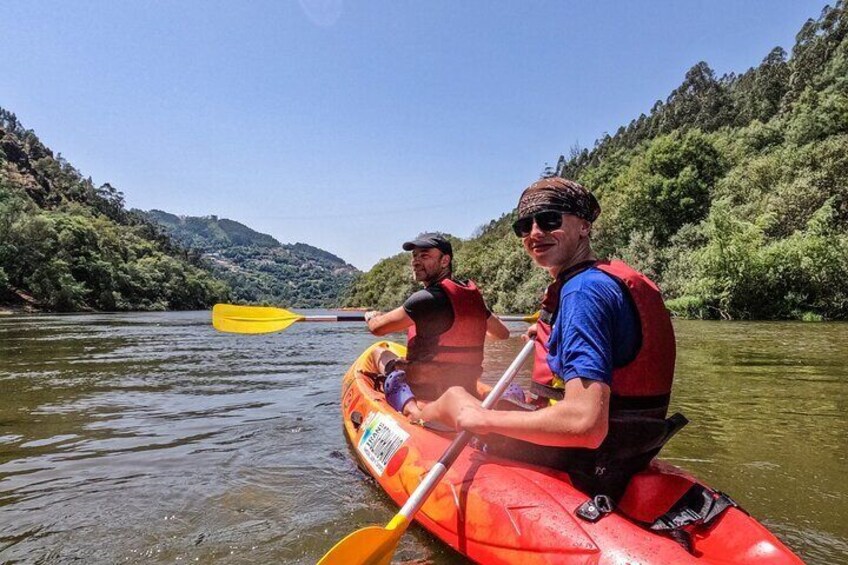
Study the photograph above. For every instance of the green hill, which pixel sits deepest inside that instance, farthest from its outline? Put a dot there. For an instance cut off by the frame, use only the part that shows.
(259, 268)
(66, 244)
(732, 194)
(208, 233)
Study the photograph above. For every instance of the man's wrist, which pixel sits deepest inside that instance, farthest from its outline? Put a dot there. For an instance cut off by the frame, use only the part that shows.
(371, 315)
(484, 422)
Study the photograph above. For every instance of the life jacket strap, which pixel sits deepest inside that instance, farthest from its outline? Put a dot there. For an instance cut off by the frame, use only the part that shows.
(639, 403)
(458, 348)
(546, 391)
(617, 402)
(664, 431)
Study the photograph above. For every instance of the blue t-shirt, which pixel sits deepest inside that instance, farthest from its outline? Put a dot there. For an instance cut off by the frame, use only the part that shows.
(596, 329)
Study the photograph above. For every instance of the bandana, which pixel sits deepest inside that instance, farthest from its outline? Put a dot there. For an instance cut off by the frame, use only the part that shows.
(561, 195)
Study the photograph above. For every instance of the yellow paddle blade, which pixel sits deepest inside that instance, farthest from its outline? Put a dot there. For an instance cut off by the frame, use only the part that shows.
(533, 318)
(251, 319)
(530, 319)
(373, 545)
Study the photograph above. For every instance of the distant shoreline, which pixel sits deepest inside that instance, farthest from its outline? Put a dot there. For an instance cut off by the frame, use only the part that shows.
(7, 310)
(13, 309)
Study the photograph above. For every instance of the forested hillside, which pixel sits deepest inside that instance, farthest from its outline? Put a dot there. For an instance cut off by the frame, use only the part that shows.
(259, 268)
(66, 244)
(732, 194)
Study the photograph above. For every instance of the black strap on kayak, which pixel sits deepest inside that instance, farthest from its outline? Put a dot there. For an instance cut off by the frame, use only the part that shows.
(700, 505)
(696, 509)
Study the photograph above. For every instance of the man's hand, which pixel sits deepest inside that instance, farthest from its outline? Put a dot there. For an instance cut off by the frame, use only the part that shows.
(371, 314)
(530, 334)
(382, 323)
(472, 417)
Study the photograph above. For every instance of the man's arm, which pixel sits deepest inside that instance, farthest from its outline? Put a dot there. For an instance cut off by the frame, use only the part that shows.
(581, 420)
(380, 323)
(495, 328)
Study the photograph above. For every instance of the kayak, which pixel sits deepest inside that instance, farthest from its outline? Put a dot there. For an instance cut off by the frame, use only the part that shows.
(495, 510)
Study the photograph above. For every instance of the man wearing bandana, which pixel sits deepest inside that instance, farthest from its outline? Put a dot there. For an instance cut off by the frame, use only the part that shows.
(604, 360)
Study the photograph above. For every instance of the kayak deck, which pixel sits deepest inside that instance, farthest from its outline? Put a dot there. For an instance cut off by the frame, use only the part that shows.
(498, 511)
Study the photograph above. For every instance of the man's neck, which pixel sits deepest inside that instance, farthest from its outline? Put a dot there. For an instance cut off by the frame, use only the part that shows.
(436, 280)
(584, 253)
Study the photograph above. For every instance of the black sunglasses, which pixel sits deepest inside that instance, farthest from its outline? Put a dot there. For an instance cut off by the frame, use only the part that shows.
(548, 220)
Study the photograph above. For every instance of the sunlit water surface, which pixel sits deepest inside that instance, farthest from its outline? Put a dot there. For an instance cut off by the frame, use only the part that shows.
(152, 438)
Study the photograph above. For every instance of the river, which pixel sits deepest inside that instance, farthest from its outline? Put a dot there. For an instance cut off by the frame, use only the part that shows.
(150, 437)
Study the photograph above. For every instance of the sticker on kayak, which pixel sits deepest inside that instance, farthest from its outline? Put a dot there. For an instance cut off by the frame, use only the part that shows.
(380, 440)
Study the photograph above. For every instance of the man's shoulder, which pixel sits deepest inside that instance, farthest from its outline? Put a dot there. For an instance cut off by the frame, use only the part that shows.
(598, 295)
(592, 281)
(430, 297)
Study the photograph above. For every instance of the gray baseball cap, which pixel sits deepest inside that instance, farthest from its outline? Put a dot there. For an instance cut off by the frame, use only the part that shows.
(428, 241)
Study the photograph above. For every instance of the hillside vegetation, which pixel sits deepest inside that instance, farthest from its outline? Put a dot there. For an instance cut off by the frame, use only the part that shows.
(732, 194)
(68, 245)
(259, 268)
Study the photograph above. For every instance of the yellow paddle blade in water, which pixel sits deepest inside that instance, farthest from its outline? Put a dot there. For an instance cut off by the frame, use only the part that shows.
(533, 318)
(530, 319)
(251, 319)
(373, 545)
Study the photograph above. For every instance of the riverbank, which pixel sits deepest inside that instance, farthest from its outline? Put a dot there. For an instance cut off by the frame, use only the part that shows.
(7, 310)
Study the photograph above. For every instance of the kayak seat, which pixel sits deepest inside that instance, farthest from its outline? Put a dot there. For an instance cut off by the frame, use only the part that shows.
(672, 504)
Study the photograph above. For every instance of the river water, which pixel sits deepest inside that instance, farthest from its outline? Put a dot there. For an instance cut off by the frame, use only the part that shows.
(152, 438)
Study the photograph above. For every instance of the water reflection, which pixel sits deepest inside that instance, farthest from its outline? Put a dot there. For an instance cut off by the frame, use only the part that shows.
(149, 437)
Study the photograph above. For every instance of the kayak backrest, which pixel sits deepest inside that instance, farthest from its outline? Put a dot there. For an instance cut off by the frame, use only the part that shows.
(652, 493)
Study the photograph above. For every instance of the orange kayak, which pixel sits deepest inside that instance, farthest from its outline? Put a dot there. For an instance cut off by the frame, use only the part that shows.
(495, 510)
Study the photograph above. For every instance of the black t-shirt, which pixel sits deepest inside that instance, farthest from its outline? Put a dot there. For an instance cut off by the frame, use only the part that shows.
(431, 310)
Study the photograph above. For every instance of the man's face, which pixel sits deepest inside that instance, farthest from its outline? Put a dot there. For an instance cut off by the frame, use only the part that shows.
(555, 249)
(428, 264)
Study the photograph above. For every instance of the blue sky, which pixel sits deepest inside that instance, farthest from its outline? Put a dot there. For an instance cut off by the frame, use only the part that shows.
(353, 126)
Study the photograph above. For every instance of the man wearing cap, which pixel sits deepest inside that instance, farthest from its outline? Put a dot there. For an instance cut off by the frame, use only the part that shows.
(604, 360)
(446, 323)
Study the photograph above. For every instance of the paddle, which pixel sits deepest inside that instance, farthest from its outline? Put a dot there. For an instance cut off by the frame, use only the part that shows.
(264, 319)
(375, 545)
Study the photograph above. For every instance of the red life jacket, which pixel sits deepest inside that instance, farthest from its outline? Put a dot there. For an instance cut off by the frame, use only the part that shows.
(650, 373)
(455, 357)
(638, 427)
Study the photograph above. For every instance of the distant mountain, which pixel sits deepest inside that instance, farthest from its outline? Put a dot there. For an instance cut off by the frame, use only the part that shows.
(258, 267)
(208, 233)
